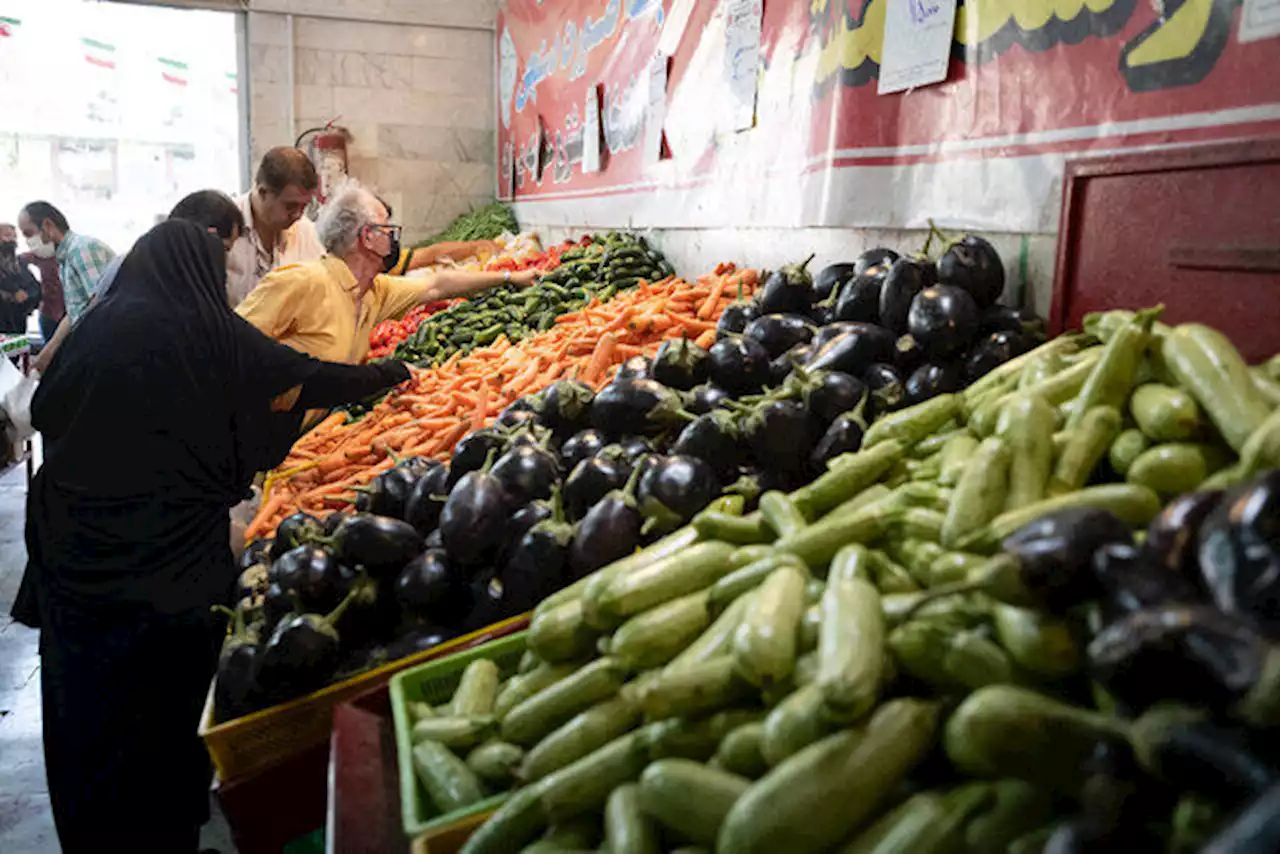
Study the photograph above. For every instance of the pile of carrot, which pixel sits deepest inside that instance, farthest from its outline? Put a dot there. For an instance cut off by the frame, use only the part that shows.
(430, 413)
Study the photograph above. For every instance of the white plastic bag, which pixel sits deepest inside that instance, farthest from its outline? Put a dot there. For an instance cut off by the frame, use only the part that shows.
(16, 391)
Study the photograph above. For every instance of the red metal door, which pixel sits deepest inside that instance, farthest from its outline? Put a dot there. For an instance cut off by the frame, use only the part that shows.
(1197, 229)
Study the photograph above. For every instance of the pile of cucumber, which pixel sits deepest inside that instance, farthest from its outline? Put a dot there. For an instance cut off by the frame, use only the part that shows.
(897, 656)
(614, 262)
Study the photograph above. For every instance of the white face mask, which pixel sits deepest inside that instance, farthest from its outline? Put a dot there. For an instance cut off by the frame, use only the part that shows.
(39, 248)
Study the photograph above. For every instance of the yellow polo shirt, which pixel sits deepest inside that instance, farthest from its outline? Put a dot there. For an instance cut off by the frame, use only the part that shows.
(314, 307)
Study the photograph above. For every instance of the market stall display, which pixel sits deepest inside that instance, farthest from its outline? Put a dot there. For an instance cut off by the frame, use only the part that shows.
(732, 685)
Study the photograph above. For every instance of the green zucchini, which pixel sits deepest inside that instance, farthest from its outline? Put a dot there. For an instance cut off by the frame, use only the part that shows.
(689, 797)
(583, 733)
(717, 640)
(686, 572)
(453, 732)
(450, 784)
(1175, 467)
(560, 634)
(537, 716)
(1084, 448)
(795, 723)
(477, 690)
(1026, 425)
(584, 785)
(740, 752)
(764, 646)
(1165, 413)
(1206, 364)
(627, 830)
(1038, 643)
(496, 762)
(851, 650)
(523, 686)
(692, 689)
(653, 638)
(1126, 448)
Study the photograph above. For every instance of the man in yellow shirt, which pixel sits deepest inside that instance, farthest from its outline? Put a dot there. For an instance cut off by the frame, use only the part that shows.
(327, 308)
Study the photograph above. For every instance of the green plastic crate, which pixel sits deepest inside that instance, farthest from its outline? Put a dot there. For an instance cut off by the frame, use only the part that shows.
(435, 683)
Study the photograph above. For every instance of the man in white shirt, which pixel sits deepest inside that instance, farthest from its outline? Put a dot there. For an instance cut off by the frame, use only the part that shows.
(276, 232)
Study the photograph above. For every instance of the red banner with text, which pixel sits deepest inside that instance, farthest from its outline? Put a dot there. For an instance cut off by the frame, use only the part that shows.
(1030, 83)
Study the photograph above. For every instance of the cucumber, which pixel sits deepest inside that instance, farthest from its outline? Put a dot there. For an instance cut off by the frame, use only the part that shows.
(576, 836)
(1019, 808)
(1205, 363)
(952, 567)
(1175, 467)
(560, 634)
(516, 823)
(477, 690)
(627, 830)
(689, 797)
(1084, 448)
(899, 830)
(495, 762)
(450, 784)
(453, 732)
(696, 738)
(749, 577)
(717, 640)
(980, 493)
(913, 423)
(955, 454)
(523, 686)
(419, 711)
(584, 785)
(794, 724)
(948, 658)
(764, 646)
(655, 637)
(1164, 413)
(537, 716)
(1038, 643)
(850, 647)
(702, 687)
(1126, 448)
(740, 751)
(816, 798)
(687, 572)
(1026, 425)
(575, 738)
(528, 661)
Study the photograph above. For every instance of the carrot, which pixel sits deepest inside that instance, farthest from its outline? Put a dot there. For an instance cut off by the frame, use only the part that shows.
(268, 509)
(714, 297)
(600, 358)
(706, 339)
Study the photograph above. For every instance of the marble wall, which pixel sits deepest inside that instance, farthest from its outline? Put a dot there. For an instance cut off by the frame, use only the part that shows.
(418, 98)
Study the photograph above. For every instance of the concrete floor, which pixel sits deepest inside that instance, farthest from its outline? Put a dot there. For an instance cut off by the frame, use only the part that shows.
(26, 823)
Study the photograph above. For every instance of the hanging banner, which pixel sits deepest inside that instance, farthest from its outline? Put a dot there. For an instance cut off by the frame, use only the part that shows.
(1030, 84)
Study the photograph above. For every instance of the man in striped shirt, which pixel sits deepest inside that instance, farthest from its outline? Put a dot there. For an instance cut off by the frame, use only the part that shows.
(81, 263)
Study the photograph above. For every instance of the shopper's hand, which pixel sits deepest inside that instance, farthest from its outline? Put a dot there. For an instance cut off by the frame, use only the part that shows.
(525, 278)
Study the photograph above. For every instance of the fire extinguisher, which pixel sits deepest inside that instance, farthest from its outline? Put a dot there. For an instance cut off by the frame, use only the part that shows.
(328, 151)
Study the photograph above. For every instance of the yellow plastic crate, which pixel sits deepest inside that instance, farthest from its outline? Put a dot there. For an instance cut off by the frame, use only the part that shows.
(249, 745)
(435, 683)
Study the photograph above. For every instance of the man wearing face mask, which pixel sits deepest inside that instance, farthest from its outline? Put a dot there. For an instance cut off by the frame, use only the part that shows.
(19, 290)
(81, 262)
(327, 308)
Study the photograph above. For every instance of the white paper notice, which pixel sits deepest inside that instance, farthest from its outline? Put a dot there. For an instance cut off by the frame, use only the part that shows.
(655, 112)
(743, 23)
(674, 26)
(917, 43)
(1259, 19)
(591, 132)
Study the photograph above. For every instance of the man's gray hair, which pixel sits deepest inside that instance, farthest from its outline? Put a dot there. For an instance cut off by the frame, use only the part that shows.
(345, 215)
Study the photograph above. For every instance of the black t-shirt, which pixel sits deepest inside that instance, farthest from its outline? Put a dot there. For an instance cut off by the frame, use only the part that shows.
(14, 312)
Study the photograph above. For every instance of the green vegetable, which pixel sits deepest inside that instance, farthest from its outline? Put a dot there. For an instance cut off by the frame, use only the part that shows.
(453, 732)
(477, 690)
(1026, 425)
(1085, 446)
(1019, 808)
(818, 543)
(980, 493)
(749, 577)
(1133, 504)
(627, 829)
(740, 751)
(717, 640)
(796, 722)
(696, 738)
(672, 543)
(764, 646)
(516, 823)
(450, 784)
(655, 637)
(955, 454)
(1113, 377)
(495, 762)
(585, 785)
(537, 716)
(686, 572)
(691, 689)
(582, 734)
(1043, 645)
(1206, 364)
(901, 830)
(1164, 413)
(523, 686)
(948, 658)
(689, 797)
(1126, 448)
(914, 423)
(780, 514)
(851, 648)
(561, 634)
(1175, 467)
(740, 530)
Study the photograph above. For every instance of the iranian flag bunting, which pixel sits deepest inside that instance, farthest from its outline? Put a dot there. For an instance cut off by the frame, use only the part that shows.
(235, 82)
(7, 26)
(99, 53)
(173, 71)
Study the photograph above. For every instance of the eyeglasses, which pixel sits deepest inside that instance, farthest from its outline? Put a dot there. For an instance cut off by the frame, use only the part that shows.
(393, 231)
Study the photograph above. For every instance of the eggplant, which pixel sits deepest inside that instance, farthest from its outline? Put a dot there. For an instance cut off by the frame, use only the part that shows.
(734, 319)
(527, 473)
(635, 448)
(473, 449)
(389, 492)
(565, 405)
(1254, 830)
(705, 398)
(324, 580)
(780, 434)
(1130, 581)
(860, 299)
(528, 434)
(277, 603)
(427, 500)
(1003, 318)
(487, 603)
(673, 488)
(680, 364)
(991, 351)
(788, 290)
(295, 530)
(331, 522)
(434, 540)
(301, 655)
(1173, 537)
(779, 369)
(844, 435)
(419, 640)
(511, 415)
(930, 380)
(906, 278)
(854, 350)
(288, 569)
(474, 519)
(712, 438)
(873, 258)
(1191, 654)
(422, 589)
(908, 354)
(973, 264)
(610, 531)
(253, 582)
(832, 393)
(1240, 551)
(635, 406)
(635, 368)
(510, 419)
(591, 480)
(778, 333)
(739, 365)
(256, 553)
(538, 564)
(521, 521)
(833, 330)
(886, 389)
(235, 691)
(580, 446)
(944, 319)
(831, 279)
(1182, 748)
(380, 544)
